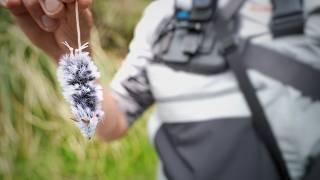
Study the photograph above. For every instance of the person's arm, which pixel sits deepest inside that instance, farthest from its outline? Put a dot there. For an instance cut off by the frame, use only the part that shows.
(130, 93)
(114, 125)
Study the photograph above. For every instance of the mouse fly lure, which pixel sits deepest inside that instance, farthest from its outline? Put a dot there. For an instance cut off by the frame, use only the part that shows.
(78, 75)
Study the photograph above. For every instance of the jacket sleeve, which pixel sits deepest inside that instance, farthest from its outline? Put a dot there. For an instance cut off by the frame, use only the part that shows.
(130, 86)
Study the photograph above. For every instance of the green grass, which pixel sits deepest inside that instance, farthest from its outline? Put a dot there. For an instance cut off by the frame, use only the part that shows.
(37, 137)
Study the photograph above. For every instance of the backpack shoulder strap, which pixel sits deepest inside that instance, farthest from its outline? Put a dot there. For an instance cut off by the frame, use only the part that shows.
(233, 55)
(283, 68)
(260, 123)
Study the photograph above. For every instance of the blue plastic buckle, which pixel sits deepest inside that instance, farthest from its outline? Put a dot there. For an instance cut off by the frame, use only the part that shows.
(182, 15)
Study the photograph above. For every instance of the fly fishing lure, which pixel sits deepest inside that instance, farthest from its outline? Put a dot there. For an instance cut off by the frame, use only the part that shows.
(77, 75)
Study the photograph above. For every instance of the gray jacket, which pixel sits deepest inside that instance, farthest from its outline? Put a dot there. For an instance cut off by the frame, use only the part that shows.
(293, 117)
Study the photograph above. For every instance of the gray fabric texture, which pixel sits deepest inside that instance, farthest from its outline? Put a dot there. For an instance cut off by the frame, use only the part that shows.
(293, 117)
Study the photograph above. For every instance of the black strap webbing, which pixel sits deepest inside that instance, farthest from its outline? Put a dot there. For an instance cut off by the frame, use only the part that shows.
(284, 69)
(260, 123)
(233, 57)
(313, 172)
(288, 18)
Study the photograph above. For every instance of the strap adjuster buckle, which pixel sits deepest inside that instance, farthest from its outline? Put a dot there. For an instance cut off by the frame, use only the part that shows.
(288, 24)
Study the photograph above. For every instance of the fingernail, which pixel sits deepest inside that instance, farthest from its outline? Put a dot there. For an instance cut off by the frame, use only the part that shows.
(48, 22)
(52, 5)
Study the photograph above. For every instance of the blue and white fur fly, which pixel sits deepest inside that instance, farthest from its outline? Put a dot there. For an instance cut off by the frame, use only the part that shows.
(78, 75)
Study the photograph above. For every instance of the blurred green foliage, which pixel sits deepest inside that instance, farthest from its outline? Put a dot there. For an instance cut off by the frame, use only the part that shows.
(37, 137)
(116, 21)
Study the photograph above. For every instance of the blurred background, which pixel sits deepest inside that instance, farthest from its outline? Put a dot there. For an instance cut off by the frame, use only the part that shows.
(37, 137)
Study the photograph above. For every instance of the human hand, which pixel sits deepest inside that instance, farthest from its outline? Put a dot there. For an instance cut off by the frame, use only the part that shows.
(48, 23)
